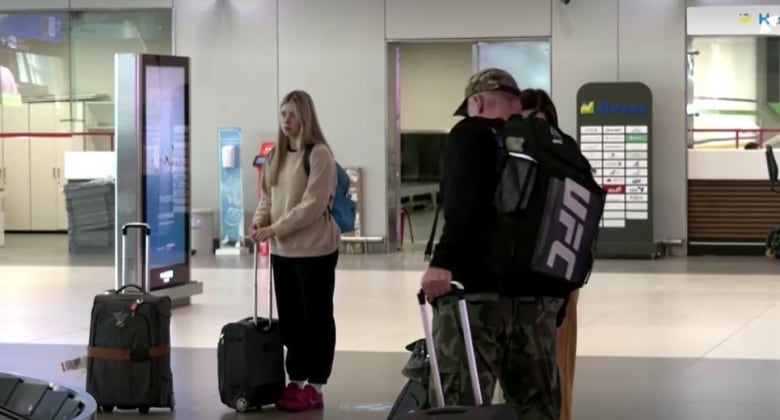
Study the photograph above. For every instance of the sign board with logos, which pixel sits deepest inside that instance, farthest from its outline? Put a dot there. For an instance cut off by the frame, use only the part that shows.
(734, 20)
(614, 129)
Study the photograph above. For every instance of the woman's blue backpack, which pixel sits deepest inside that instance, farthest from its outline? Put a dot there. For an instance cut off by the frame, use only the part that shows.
(343, 208)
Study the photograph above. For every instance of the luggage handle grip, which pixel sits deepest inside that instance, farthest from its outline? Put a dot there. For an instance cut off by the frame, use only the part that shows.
(146, 232)
(456, 290)
(459, 292)
(145, 228)
(255, 270)
(129, 286)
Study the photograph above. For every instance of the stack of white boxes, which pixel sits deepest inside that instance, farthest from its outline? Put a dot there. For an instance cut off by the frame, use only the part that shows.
(90, 216)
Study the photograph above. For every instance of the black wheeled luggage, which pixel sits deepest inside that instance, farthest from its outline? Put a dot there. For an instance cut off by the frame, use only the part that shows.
(442, 412)
(251, 357)
(129, 353)
(413, 397)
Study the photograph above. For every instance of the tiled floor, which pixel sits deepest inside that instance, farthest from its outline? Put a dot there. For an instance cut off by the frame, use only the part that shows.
(669, 339)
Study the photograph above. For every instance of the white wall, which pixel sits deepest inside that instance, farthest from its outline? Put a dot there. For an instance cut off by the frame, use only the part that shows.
(93, 61)
(697, 3)
(607, 40)
(661, 65)
(458, 19)
(336, 50)
(433, 77)
(244, 57)
(584, 49)
(232, 46)
(8, 5)
(117, 4)
(733, 164)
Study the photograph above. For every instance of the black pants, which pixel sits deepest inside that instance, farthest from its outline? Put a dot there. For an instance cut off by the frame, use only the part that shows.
(304, 295)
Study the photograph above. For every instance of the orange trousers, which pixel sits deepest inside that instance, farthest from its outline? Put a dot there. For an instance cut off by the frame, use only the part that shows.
(566, 355)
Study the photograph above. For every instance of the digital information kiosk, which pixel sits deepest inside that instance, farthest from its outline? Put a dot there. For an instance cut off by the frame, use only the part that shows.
(153, 170)
(615, 131)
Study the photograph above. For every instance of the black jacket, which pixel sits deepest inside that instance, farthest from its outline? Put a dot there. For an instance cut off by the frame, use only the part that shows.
(468, 187)
(468, 184)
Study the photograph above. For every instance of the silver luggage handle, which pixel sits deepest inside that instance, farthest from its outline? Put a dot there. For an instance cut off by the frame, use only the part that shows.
(255, 275)
(146, 231)
(458, 291)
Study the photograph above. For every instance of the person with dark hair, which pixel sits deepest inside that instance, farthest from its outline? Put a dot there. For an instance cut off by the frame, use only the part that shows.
(536, 102)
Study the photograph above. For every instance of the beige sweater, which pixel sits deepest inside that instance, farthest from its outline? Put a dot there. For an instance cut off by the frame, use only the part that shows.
(297, 207)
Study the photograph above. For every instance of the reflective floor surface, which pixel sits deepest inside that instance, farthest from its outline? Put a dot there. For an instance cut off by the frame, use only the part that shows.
(684, 338)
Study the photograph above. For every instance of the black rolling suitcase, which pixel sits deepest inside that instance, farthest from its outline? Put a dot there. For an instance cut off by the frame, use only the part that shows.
(129, 353)
(413, 397)
(441, 412)
(251, 357)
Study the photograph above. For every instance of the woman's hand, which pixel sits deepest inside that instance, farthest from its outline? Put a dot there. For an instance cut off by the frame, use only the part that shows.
(263, 234)
(260, 234)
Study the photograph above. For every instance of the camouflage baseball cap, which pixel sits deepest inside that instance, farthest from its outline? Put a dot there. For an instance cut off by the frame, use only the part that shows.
(487, 80)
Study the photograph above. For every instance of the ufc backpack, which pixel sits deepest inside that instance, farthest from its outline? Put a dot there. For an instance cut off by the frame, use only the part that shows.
(548, 206)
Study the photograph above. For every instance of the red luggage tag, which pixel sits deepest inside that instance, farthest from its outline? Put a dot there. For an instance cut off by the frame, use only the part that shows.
(134, 305)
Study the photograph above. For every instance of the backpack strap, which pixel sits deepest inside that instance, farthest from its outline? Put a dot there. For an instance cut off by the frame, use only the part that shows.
(432, 238)
(307, 169)
(307, 159)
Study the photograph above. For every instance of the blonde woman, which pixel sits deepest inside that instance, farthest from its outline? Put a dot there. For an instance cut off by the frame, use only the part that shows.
(293, 214)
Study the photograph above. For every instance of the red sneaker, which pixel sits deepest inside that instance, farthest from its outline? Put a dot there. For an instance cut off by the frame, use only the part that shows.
(316, 401)
(291, 394)
(296, 399)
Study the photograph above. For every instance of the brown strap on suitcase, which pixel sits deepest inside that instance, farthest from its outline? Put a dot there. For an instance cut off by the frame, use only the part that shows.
(127, 354)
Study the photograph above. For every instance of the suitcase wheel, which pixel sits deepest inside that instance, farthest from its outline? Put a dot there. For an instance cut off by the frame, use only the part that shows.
(241, 404)
(107, 408)
(172, 403)
(144, 409)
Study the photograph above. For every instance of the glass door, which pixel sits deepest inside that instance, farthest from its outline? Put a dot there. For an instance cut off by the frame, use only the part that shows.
(528, 61)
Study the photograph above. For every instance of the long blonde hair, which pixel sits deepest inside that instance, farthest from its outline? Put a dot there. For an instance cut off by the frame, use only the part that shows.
(311, 133)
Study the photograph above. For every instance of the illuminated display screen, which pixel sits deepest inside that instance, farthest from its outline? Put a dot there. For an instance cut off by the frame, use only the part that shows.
(166, 172)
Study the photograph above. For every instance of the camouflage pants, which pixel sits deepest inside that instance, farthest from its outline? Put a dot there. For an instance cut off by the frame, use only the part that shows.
(514, 342)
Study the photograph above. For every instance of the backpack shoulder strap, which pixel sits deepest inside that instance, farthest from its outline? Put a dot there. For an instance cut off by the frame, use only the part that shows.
(307, 159)
(429, 246)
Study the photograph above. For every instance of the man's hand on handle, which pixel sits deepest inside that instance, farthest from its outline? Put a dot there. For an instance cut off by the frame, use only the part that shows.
(436, 282)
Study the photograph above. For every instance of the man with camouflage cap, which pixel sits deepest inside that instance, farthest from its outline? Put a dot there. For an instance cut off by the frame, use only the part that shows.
(513, 330)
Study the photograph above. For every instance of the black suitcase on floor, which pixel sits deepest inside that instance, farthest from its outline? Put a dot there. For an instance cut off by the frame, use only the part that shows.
(479, 411)
(129, 353)
(251, 357)
(413, 397)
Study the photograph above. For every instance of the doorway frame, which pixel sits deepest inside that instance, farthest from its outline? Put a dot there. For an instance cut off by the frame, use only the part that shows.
(393, 82)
